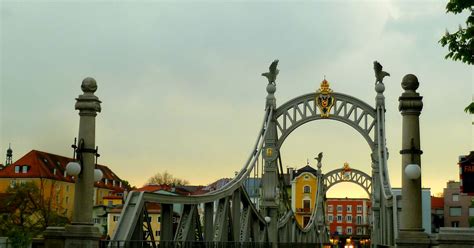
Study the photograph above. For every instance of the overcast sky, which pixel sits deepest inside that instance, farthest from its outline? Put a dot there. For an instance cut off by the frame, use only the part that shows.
(182, 91)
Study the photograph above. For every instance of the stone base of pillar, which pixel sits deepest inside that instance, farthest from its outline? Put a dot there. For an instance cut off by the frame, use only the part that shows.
(72, 236)
(413, 238)
(450, 237)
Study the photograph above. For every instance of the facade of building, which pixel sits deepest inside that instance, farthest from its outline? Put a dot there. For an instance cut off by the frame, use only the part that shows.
(304, 186)
(437, 213)
(48, 172)
(348, 217)
(425, 207)
(458, 207)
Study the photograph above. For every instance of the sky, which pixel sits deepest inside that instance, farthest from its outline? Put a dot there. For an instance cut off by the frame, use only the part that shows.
(181, 88)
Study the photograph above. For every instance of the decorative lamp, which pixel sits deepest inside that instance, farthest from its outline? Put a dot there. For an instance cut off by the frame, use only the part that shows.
(413, 171)
(73, 168)
(267, 219)
(98, 175)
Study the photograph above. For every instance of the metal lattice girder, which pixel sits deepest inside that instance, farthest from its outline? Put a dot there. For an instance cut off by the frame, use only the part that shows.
(130, 219)
(354, 176)
(188, 227)
(350, 110)
(221, 220)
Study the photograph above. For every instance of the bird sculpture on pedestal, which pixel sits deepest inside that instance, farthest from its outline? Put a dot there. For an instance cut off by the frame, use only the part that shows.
(379, 74)
(273, 72)
(319, 158)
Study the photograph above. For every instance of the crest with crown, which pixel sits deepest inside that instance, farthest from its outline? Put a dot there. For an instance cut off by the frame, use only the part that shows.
(324, 100)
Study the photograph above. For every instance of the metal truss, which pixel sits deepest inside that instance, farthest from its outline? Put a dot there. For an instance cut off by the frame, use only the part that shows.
(347, 109)
(354, 176)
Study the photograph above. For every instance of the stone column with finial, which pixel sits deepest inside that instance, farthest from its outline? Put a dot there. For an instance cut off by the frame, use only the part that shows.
(411, 228)
(81, 232)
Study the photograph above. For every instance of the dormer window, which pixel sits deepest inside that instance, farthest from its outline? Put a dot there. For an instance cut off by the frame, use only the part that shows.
(106, 181)
(54, 171)
(65, 173)
(25, 168)
(113, 183)
(17, 169)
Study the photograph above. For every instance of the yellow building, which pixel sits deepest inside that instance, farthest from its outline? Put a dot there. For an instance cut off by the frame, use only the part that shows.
(154, 217)
(304, 185)
(48, 172)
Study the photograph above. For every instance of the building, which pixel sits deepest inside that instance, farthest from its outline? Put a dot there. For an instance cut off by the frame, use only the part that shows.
(304, 185)
(348, 217)
(425, 207)
(437, 213)
(48, 172)
(458, 207)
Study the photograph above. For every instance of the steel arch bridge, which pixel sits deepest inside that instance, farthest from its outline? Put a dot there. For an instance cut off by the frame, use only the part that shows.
(353, 176)
(228, 214)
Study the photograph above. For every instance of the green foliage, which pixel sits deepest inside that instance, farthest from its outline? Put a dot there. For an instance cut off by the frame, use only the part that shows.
(461, 43)
(26, 214)
(470, 109)
(471, 221)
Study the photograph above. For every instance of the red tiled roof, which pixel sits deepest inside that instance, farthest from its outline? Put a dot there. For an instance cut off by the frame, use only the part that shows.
(112, 197)
(42, 164)
(437, 202)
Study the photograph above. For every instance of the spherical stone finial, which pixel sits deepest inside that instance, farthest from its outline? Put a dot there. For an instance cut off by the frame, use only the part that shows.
(271, 88)
(410, 82)
(89, 85)
(380, 88)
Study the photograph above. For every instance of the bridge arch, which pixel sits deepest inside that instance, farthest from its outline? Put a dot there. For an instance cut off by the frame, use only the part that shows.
(353, 176)
(347, 109)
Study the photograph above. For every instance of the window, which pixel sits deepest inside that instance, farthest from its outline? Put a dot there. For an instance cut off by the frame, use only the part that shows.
(54, 171)
(359, 231)
(306, 204)
(17, 169)
(455, 211)
(109, 203)
(330, 208)
(454, 223)
(349, 218)
(330, 218)
(359, 208)
(471, 212)
(116, 218)
(159, 219)
(359, 219)
(157, 233)
(96, 221)
(305, 220)
(67, 188)
(306, 177)
(339, 208)
(339, 229)
(67, 199)
(349, 230)
(24, 168)
(339, 218)
(65, 211)
(307, 189)
(349, 208)
(455, 197)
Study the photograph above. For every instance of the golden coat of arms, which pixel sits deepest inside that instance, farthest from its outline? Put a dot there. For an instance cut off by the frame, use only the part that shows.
(324, 99)
(346, 172)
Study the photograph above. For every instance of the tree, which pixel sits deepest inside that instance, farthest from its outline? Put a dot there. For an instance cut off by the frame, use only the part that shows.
(470, 109)
(27, 213)
(166, 178)
(461, 43)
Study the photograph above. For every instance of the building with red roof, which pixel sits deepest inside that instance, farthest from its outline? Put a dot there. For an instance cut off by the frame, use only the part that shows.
(48, 172)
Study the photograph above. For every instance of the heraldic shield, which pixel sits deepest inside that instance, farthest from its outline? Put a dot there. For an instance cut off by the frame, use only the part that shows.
(324, 99)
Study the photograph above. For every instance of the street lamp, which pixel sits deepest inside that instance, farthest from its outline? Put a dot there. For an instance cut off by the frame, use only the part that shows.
(74, 167)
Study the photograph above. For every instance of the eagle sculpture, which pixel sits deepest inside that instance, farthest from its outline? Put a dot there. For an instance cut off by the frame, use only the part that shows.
(379, 74)
(319, 157)
(273, 72)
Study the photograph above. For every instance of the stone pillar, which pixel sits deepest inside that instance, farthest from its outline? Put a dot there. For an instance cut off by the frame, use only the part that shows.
(270, 172)
(81, 232)
(410, 105)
